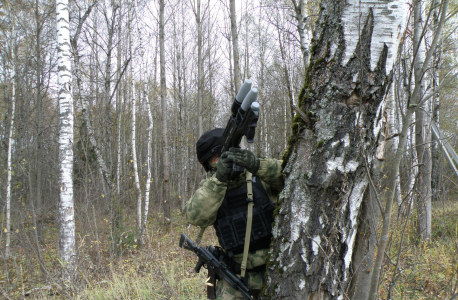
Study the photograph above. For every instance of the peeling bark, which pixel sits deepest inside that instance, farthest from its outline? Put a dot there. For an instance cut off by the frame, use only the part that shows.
(326, 178)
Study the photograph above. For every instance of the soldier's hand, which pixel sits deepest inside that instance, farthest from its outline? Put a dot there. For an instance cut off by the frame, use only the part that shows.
(245, 158)
(224, 167)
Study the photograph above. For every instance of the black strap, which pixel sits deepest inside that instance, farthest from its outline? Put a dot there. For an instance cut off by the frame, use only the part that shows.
(236, 267)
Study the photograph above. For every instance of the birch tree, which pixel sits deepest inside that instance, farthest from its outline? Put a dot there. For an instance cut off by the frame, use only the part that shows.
(331, 150)
(435, 101)
(149, 156)
(67, 249)
(282, 48)
(117, 208)
(38, 158)
(331, 165)
(299, 9)
(200, 71)
(133, 124)
(235, 45)
(422, 128)
(9, 167)
(149, 164)
(165, 154)
(84, 99)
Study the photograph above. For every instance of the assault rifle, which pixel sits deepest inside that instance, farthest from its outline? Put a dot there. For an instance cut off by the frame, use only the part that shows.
(242, 122)
(211, 259)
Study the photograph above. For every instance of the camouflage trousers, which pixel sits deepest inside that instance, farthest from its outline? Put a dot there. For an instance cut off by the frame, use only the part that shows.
(224, 291)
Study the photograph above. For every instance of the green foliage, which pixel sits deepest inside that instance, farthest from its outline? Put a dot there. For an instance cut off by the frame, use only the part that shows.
(445, 227)
(128, 241)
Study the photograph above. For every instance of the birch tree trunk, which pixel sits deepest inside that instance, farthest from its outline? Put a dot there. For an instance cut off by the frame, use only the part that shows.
(149, 158)
(393, 168)
(107, 81)
(230, 53)
(10, 147)
(422, 130)
(235, 46)
(133, 124)
(144, 99)
(103, 169)
(246, 71)
(182, 127)
(436, 176)
(116, 222)
(393, 126)
(165, 153)
(287, 81)
(134, 155)
(299, 8)
(200, 71)
(38, 195)
(67, 250)
(329, 152)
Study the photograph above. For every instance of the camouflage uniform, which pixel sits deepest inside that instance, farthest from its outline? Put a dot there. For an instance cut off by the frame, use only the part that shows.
(201, 210)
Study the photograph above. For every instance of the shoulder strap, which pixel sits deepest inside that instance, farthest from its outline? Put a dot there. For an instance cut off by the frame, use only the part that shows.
(249, 221)
(200, 235)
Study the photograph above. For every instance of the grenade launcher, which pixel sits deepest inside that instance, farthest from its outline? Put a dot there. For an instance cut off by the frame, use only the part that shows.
(242, 122)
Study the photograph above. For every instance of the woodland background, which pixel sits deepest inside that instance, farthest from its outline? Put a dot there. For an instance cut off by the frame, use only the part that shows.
(145, 133)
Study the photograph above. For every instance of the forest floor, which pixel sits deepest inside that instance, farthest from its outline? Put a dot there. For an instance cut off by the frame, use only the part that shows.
(162, 270)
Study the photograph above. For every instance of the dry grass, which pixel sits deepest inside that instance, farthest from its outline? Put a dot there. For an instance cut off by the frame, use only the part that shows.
(162, 270)
(429, 269)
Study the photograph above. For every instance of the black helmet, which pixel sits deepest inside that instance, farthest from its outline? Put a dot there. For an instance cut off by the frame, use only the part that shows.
(208, 145)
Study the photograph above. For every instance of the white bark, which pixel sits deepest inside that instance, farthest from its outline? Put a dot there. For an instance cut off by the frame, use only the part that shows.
(301, 18)
(67, 248)
(389, 17)
(394, 167)
(134, 113)
(134, 161)
(422, 129)
(118, 109)
(103, 169)
(414, 168)
(182, 92)
(435, 102)
(393, 124)
(165, 153)
(107, 81)
(149, 160)
(326, 176)
(143, 81)
(10, 150)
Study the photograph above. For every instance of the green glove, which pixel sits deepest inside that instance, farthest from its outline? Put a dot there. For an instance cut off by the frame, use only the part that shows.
(224, 167)
(245, 158)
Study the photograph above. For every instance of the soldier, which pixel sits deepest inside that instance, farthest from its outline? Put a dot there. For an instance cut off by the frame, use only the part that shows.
(223, 203)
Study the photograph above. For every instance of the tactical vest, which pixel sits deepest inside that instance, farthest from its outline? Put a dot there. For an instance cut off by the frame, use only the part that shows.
(231, 220)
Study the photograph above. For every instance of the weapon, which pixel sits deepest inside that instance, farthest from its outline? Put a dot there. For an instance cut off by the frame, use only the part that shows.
(242, 122)
(209, 257)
